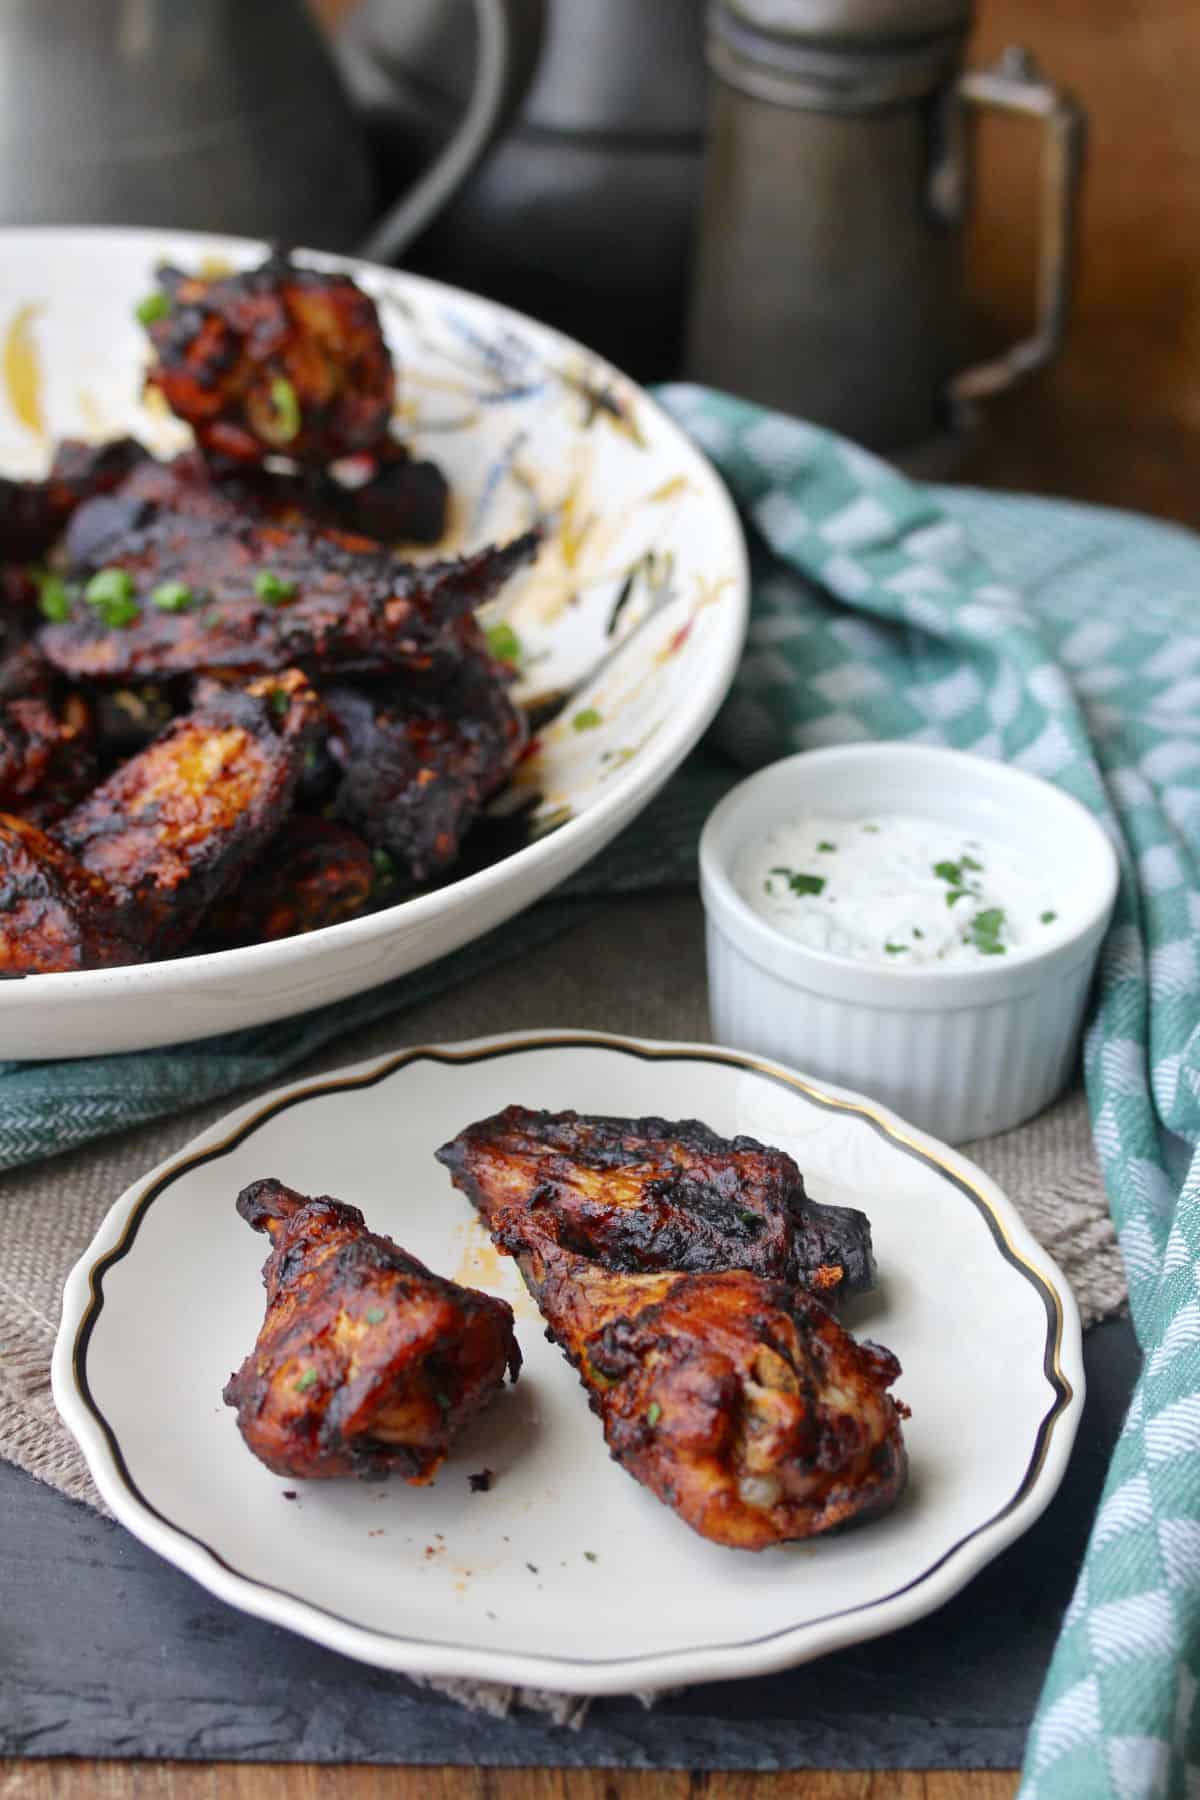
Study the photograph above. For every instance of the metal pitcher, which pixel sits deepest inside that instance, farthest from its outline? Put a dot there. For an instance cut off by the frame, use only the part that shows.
(225, 115)
(829, 276)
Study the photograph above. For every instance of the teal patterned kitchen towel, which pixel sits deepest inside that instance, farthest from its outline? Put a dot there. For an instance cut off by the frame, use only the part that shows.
(1064, 639)
(1067, 641)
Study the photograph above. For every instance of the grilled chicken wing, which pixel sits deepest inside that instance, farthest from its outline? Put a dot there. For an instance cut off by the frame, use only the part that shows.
(33, 514)
(741, 1403)
(315, 873)
(393, 499)
(197, 591)
(173, 827)
(275, 360)
(366, 1362)
(55, 916)
(420, 758)
(651, 1194)
(46, 757)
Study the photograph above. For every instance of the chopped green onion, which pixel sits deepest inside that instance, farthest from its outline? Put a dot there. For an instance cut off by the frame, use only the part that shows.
(442, 1399)
(968, 862)
(896, 949)
(54, 602)
(590, 1556)
(272, 588)
(287, 410)
(806, 884)
(172, 596)
(504, 643)
(587, 719)
(871, 828)
(108, 585)
(119, 613)
(1048, 918)
(385, 868)
(375, 1315)
(306, 1380)
(825, 847)
(917, 932)
(653, 1413)
(155, 306)
(279, 701)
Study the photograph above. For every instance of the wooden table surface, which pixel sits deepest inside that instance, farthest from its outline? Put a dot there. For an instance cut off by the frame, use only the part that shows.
(68, 1780)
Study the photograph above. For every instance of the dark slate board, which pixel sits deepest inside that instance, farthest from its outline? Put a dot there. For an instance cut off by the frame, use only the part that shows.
(106, 1651)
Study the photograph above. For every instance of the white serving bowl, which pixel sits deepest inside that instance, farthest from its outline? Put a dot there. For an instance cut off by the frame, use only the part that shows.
(961, 1051)
(637, 604)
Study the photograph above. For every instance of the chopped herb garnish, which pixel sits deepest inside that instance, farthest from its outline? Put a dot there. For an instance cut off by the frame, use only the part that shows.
(1048, 918)
(917, 932)
(108, 585)
(801, 883)
(54, 602)
(287, 410)
(274, 589)
(154, 306)
(173, 596)
(949, 871)
(985, 929)
(590, 1556)
(954, 894)
(119, 613)
(751, 1220)
(968, 862)
(587, 719)
(504, 643)
(653, 1413)
(279, 701)
(896, 949)
(375, 1315)
(443, 1400)
(768, 888)
(825, 847)
(383, 865)
(873, 829)
(306, 1380)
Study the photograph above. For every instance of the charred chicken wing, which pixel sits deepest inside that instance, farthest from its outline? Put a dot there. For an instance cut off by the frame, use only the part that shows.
(420, 758)
(177, 592)
(46, 759)
(173, 828)
(317, 873)
(651, 1194)
(33, 514)
(741, 1403)
(275, 360)
(366, 1362)
(55, 916)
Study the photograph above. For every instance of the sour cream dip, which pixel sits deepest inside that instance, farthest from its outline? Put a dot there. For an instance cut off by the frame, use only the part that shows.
(897, 890)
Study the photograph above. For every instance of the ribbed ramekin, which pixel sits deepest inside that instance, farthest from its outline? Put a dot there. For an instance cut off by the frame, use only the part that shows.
(960, 1051)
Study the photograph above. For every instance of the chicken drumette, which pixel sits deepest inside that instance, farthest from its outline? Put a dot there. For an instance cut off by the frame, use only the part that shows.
(366, 1362)
(670, 1266)
(651, 1194)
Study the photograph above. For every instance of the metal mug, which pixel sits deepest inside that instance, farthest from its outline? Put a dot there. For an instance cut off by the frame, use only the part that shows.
(222, 115)
(829, 275)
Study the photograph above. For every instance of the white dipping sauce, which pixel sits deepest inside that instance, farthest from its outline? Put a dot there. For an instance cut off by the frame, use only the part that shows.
(896, 890)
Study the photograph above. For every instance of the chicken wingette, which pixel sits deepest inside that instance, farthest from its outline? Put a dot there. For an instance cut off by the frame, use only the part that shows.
(55, 916)
(366, 1363)
(173, 593)
(670, 1266)
(172, 829)
(651, 1194)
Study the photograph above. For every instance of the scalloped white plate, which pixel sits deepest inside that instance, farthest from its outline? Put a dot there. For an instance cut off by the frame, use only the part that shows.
(644, 558)
(566, 1574)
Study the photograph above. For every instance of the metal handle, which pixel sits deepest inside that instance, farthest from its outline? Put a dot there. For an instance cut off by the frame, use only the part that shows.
(508, 38)
(1016, 85)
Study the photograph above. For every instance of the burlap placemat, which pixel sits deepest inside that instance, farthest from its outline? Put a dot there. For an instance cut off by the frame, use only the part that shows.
(635, 966)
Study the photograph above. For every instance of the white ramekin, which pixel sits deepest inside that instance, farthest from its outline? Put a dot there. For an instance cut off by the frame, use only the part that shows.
(961, 1052)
